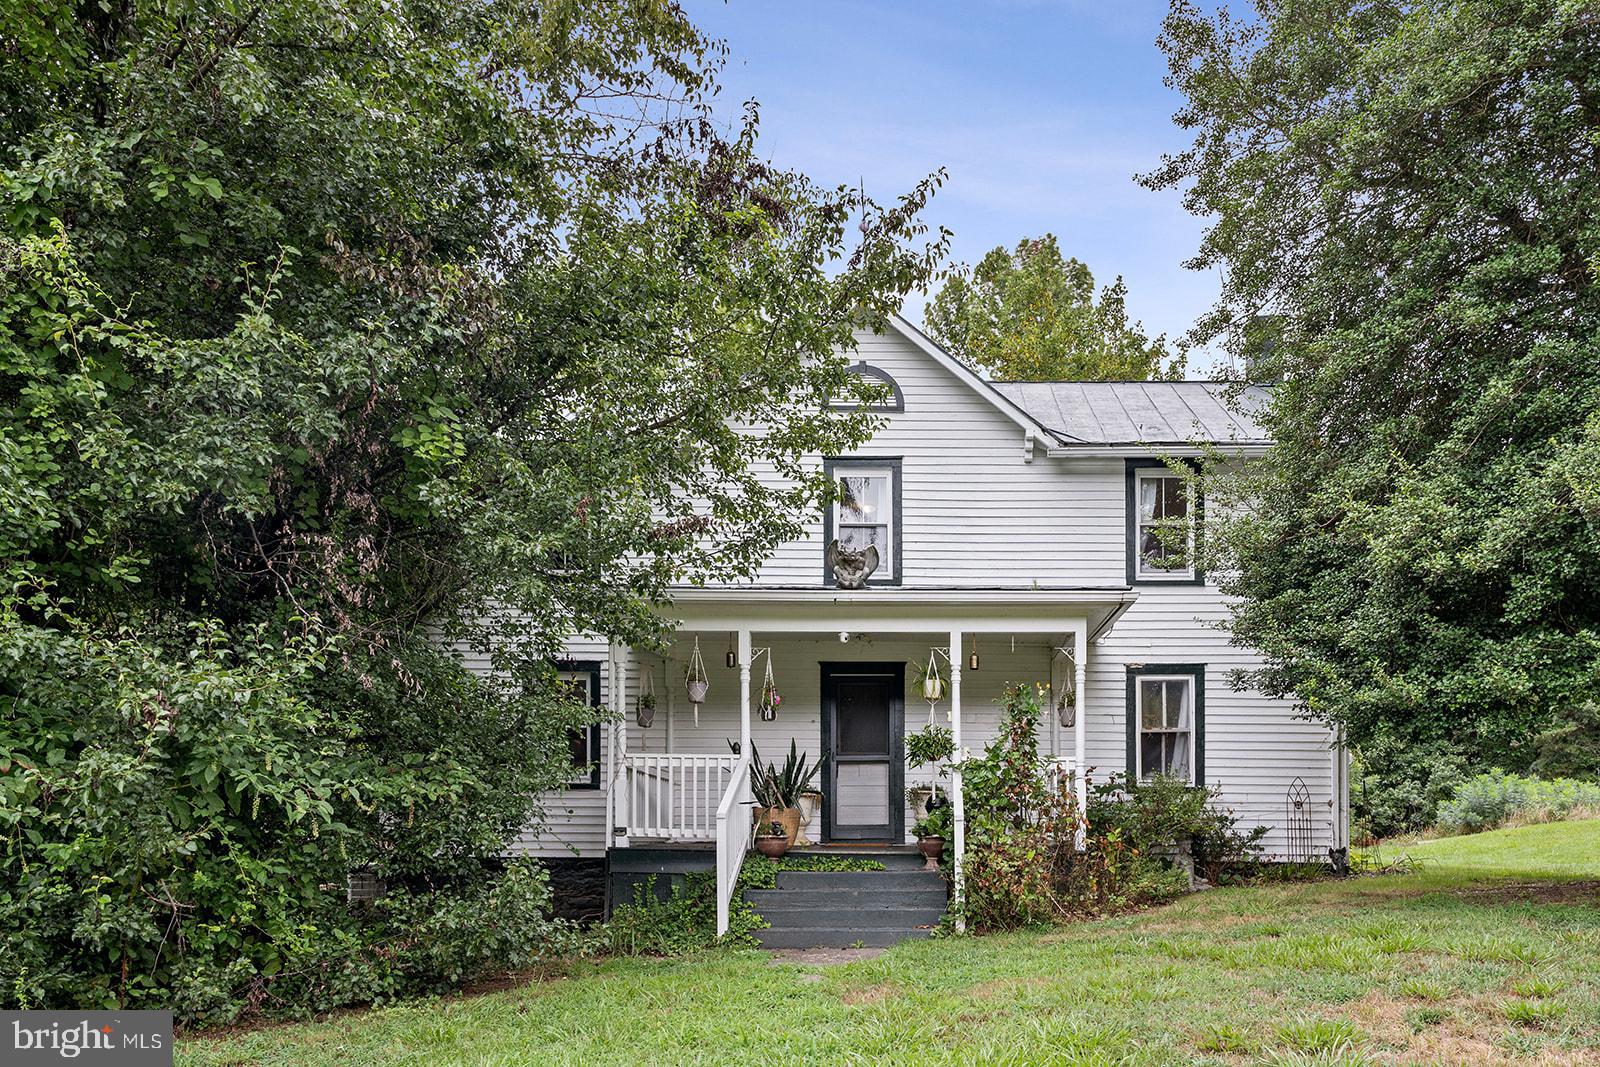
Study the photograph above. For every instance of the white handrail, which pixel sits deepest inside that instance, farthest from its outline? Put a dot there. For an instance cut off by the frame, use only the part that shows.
(733, 837)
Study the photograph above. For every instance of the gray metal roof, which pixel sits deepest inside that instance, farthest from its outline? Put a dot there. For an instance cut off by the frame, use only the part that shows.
(1140, 413)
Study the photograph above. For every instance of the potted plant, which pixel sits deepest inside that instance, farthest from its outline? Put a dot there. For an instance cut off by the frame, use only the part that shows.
(646, 713)
(777, 789)
(810, 805)
(772, 839)
(771, 701)
(931, 744)
(931, 681)
(932, 831)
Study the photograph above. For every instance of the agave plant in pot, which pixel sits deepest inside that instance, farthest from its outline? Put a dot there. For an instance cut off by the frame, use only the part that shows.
(777, 789)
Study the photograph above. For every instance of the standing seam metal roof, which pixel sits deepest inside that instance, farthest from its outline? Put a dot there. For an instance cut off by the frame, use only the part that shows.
(1148, 413)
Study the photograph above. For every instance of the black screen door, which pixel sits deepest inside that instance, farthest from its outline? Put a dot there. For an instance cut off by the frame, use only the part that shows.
(863, 714)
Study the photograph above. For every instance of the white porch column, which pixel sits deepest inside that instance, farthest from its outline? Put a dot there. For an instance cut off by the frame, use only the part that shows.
(624, 790)
(744, 691)
(958, 864)
(608, 762)
(1080, 668)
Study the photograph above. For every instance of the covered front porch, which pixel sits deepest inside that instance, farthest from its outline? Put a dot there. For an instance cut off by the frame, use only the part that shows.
(849, 666)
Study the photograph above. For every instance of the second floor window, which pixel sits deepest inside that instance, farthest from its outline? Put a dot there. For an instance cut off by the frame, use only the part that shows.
(1163, 526)
(866, 511)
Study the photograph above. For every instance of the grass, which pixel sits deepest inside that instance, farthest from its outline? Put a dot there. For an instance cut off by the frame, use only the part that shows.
(1444, 964)
(1552, 849)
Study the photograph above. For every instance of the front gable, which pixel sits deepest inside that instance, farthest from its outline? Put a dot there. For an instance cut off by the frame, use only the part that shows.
(979, 505)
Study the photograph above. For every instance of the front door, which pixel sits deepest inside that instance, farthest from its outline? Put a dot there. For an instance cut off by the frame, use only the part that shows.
(863, 723)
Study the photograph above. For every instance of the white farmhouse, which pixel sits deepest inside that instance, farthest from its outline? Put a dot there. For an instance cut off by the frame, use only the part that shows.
(1014, 524)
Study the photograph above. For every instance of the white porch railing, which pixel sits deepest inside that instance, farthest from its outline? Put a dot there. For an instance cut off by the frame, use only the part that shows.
(674, 796)
(734, 825)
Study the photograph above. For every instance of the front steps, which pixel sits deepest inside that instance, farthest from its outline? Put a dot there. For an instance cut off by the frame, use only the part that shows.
(843, 909)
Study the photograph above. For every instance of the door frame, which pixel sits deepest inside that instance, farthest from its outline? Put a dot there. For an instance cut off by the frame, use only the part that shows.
(895, 675)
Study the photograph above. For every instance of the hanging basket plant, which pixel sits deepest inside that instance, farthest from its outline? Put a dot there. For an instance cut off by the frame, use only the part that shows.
(645, 709)
(696, 682)
(932, 682)
(771, 699)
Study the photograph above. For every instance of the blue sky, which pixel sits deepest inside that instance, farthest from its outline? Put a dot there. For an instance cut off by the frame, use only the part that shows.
(1042, 111)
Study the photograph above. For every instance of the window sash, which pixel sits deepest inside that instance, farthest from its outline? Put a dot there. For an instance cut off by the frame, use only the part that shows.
(1164, 705)
(864, 513)
(1163, 504)
(580, 739)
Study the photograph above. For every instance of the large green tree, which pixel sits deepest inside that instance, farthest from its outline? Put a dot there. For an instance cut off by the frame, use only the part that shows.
(1031, 314)
(332, 335)
(1412, 190)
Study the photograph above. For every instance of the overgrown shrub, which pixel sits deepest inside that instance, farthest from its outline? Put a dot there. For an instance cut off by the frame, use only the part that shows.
(1490, 800)
(1398, 783)
(179, 814)
(1164, 812)
(1023, 865)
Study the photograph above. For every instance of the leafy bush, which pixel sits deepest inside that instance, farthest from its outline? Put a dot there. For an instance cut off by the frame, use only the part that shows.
(1398, 783)
(1493, 799)
(1023, 865)
(179, 812)
(1164, 812)
(1570, 749)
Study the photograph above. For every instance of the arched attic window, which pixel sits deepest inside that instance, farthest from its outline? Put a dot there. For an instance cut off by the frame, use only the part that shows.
(877, 376)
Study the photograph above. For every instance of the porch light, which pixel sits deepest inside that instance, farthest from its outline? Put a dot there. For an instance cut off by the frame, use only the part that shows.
(972, 660)
(733, 656)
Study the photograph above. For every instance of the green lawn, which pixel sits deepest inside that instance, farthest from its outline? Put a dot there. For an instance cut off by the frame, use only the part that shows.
(1557, 849)
(1441, 965)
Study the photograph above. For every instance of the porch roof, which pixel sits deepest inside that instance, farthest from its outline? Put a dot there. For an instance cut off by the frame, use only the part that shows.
(814, 609)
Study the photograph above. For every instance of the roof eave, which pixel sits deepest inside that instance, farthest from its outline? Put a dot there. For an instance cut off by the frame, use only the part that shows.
(1186, 449)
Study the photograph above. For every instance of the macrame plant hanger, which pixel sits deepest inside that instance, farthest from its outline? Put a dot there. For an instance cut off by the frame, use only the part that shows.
(645, 714)
(933, 685)
(769, 693)
(695, 680)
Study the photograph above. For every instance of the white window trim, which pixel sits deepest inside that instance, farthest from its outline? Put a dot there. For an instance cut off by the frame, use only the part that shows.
(886, 560)
(1159, 574)
(1138, 711)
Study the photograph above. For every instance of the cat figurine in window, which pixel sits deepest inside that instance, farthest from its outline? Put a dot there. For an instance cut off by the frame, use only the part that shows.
(851, 567)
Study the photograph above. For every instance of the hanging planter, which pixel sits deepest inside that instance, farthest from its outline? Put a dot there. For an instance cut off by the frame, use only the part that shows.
(645, 710)
(932, 684)
(696, 682)
(771, 699)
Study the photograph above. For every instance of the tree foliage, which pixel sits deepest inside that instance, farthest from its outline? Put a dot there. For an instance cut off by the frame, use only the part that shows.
(1412, 191)
(337, 340)
(1031, 315)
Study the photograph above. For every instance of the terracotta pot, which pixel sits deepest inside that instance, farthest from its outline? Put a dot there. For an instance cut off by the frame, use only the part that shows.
(788, 817)
(772, 847)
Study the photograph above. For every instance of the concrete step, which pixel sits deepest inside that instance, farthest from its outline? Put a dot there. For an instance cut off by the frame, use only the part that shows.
(864, 880)
(849, 900)
(793, 918)
(836, 937)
